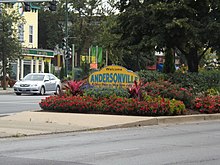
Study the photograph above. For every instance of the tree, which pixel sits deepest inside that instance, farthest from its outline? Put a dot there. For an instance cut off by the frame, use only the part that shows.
(138, 51)
(169, 64)
(85, 25)
(10, 47)
(51, 28)
(46, 68)
(62, 73)
(84, 19)
(192, 27)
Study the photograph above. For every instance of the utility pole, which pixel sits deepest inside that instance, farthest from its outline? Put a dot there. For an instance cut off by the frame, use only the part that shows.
(66, 35)
(73, 57)
(2, 52)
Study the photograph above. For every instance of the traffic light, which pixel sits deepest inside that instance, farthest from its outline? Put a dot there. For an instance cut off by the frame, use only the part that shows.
(27, 6)
(68, 53)
(53, 5)
(64, 43)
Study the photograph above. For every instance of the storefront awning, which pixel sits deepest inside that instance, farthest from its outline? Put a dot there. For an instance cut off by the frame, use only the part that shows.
(38, 52)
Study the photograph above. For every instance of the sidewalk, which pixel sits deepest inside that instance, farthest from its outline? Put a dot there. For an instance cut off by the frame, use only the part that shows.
(7, 91)
(38, 123)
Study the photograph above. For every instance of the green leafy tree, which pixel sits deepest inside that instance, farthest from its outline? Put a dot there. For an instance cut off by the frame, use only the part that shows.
(62, 73)
(51, 27)
(169, 64)
(10, 47)
(83, 25)
(138, 51)
(192, 27)
(46, 68)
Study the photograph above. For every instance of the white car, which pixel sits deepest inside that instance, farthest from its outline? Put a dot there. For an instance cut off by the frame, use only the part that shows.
(38, 83)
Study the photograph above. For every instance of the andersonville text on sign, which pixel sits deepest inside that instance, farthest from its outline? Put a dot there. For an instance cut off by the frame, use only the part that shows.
(113, 75)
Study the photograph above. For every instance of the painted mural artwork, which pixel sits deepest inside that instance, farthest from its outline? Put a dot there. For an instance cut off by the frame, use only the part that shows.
(114, 75)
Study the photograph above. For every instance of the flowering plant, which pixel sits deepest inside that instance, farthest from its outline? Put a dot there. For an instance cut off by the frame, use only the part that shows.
(68, 104)
(208, 104)
(168, 90)
(112, 105)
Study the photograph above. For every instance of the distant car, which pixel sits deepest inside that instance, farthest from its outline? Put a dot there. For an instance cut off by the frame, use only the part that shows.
(38, 83)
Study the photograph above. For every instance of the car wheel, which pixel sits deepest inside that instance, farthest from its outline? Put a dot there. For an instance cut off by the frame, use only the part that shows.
(57, 90)
(42, 90)
(18, 94)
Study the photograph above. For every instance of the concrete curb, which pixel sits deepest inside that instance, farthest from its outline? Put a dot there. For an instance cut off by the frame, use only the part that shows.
(164, 120)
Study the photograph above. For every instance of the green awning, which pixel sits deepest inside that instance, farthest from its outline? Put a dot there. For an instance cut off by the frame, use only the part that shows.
(38, 52)
(34, 7)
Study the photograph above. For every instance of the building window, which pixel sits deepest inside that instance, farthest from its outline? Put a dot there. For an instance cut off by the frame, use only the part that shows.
(21, 32)
(30, 34)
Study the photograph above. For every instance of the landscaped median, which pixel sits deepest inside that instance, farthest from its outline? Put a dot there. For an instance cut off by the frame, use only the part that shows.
(162, 96)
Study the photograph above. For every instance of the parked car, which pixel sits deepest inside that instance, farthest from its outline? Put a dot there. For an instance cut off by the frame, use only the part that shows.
(38, 83)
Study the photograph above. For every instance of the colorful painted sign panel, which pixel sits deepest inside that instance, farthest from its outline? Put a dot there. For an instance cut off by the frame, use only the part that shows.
(116, 76)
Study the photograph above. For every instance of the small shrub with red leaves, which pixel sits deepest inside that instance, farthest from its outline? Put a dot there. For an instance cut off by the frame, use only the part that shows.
(207, 104)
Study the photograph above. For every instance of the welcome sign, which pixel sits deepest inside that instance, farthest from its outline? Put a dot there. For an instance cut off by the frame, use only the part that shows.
(116, 76)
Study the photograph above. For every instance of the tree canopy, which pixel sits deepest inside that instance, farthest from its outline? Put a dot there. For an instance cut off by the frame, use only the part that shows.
(10, 46)
(83, 25)
(190, 26)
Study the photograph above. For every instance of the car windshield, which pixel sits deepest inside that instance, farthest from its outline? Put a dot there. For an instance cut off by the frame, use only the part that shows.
(34, 77)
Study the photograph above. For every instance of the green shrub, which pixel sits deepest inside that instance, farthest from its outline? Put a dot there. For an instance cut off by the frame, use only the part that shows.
(62, 73)
(100, 92)
(169, 64)
(212, 92)
(212, 78)
(77, 74)
(199, 83)
(148, 76)
(46, 67)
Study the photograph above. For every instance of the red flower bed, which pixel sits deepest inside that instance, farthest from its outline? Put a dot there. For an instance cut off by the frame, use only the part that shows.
(168, 90)
(208, 104)
(68, 104)
(112, 105)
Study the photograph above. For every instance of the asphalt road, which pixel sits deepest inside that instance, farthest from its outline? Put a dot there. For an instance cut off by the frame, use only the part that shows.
(10, 103)
(188, 144)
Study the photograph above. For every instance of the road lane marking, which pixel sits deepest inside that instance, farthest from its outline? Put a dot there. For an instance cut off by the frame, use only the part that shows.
(130, 149)
(107, 152)
(116, 151)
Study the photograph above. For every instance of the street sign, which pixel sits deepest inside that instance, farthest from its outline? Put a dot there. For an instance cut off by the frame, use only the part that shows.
(13, 1)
